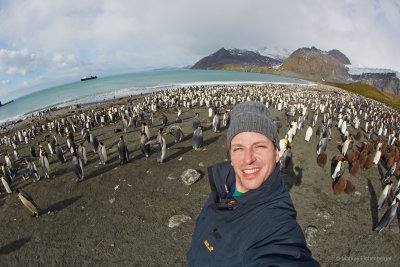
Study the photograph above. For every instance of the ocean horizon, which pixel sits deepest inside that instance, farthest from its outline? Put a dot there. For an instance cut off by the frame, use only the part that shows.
(123, 85)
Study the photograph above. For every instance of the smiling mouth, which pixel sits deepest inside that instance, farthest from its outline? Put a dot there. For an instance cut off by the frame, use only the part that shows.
(251, 171)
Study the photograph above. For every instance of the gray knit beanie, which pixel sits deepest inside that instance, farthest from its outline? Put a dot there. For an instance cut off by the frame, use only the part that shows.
(252, 116)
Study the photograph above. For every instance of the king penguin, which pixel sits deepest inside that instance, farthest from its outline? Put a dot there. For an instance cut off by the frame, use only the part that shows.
(82, 153)
(162, 149)
(308, 134)
(216, 123)
(177, 132)
(28, 202)
(385, 193)
(196, 121)
(77, 168)
(94, 142)
(102, 152)
(144, 147)
(123, 151)
(197, 139)
(6, 183)
(339, 169)
(388, 216)
(60, 154)
(45, 164)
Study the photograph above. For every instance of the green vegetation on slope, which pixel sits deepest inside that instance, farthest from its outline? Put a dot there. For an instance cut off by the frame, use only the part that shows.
(371, 92)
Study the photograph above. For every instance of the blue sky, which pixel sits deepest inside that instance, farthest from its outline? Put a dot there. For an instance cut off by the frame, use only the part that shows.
(44, 43)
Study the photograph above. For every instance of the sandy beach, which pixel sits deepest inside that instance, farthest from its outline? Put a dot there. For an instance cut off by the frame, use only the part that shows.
(119, 214)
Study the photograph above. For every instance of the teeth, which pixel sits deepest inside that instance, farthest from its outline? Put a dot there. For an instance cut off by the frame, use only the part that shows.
(251, 171)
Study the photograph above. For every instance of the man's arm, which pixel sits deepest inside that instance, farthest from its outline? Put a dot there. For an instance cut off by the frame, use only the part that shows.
(283, 244)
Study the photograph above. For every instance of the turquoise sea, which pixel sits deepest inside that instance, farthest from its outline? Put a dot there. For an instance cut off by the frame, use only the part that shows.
(129, 84)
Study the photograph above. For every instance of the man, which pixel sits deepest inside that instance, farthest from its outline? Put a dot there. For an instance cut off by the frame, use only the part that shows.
(249, 218)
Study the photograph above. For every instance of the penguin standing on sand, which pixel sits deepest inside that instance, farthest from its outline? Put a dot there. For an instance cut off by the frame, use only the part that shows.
(346, 146)
(196, 121)
(179, 115)
(28, 202)
(323, 143)
(51, 148)
(124, 124)
(339, 170)
(102, 152)
(226, 119)
(177, 132)
(285, 159)
(162, 146)
(45, 164)
(60, 154)
(77, 168)
(164, 120)
(145, 130)
(309, 133)
(377, 156)
(391, 171)
(94, 142)
(16, 154)
(385, 193)
(388, 216)
(123, 151)
(6, 183)
(197, 139)
(216, 123)
(283, 143)
(31, 166)
(150, 120)
(7, 160)
(144, 146)
(82, 153)
(71, 144)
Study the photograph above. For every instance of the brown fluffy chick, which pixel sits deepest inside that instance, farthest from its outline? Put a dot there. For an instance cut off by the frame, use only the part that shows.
(322, 159)
(349, 187)
(339, 186)
(355, 167)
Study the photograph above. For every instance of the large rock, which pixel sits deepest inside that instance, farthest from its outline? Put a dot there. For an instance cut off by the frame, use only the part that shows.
(190, 176)
(177, 220)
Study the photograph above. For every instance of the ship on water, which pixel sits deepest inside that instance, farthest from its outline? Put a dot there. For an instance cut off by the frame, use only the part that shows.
(91, 77)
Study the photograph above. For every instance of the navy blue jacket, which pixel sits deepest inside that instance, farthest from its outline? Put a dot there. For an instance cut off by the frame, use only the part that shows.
(258, 228)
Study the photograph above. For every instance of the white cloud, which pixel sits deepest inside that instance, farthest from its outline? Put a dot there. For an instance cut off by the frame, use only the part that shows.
(18, 61)
(4, 82)
(63, 61)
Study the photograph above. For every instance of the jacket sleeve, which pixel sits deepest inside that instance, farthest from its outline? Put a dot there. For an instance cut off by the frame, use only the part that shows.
(282, 244)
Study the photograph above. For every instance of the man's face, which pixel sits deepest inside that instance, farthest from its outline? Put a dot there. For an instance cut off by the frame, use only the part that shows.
(254, 159)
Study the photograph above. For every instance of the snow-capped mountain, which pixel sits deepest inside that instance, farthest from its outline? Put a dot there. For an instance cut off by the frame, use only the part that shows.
(278, 53)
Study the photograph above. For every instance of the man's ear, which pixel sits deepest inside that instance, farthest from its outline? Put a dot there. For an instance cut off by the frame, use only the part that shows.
(276, 155)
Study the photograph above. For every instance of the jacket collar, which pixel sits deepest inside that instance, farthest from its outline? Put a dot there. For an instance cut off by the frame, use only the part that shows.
(222, 176)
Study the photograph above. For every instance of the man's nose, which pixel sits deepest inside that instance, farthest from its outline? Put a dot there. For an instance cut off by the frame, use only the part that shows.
(249, 156)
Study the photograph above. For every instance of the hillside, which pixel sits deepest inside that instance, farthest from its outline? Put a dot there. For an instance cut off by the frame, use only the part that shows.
(372, 92)
(305, 63)
(316, 65)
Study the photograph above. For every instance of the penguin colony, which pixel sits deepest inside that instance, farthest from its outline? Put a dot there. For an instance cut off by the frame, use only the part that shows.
(313, 109)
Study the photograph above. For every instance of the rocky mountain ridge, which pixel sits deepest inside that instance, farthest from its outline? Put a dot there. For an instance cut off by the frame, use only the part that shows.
(235, 56)
(304, 63)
